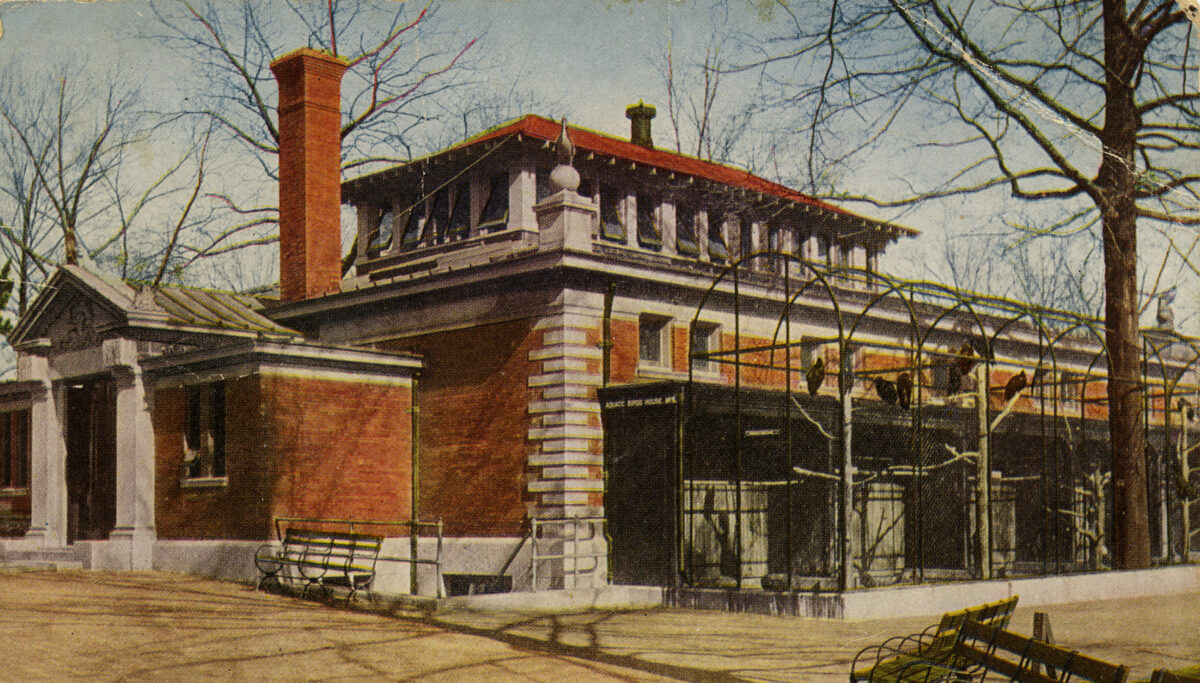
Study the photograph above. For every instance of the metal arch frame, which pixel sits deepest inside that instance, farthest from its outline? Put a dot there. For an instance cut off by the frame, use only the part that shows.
(990, 317)
(1170, 386)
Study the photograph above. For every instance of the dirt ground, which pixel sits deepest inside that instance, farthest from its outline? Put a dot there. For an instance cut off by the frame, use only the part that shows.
(156, 626)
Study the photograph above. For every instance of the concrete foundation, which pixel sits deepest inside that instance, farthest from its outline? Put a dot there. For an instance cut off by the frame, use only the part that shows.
(934, 599)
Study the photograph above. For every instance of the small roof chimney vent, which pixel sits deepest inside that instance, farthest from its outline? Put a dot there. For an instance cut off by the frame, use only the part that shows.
(639, 116)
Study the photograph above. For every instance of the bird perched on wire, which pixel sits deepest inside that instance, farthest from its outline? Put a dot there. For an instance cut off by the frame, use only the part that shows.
(959, 368)
(886, 390)
(980, 345)
(816, 376)
(904, 387)
(1014, 385)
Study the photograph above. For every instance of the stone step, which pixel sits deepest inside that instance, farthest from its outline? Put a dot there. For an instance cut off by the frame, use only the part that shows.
(42, 558)
(35, 565)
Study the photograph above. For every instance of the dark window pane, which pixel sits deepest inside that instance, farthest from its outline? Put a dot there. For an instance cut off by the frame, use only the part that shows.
(650, 332)
(412, 228)
(216, 417)
(704, 340)
(21, 452)
(439, 215)
(611, 226)
(193, 427)
(746, 235)
(7, 452)
(193, 431)
(381, 237)
(647, 228)
(460, 218)
(495, 211)
(717, 250)
(685, 230)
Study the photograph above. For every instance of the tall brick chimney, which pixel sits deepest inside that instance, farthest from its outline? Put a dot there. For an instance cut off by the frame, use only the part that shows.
(310, 173)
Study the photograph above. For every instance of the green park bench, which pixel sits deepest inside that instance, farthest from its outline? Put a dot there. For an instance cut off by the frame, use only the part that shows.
(320, 560)
(885, 662)
(982, 650)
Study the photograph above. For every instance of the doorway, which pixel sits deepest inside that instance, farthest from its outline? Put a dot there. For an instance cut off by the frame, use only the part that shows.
(91, 460)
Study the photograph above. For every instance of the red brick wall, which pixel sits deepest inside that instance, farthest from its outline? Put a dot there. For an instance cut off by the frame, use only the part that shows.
(679, 349)
(239, 510)
(343, 448)
(15, 472)
(624, 351)
(474, 396)
(294, 447)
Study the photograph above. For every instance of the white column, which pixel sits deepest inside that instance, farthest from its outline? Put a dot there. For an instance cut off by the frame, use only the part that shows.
(522, 195)
(132, 539)
(667, 228)
(48, 451)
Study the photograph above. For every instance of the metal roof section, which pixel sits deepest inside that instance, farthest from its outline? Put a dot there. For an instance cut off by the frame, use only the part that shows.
(216, 310)
(141, 306)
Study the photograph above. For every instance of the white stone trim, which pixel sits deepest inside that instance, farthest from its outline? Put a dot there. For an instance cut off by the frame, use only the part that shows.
(564, 377)
(333, 376)
(567, 364)
(577, 406)
(566, 418)
(564, 336)
(583, 351)
(567, 320)
(565, 432)
(571, 498)
(568, 391)
(566, 458)
(566, 472)
(566, 486)
(567, 445)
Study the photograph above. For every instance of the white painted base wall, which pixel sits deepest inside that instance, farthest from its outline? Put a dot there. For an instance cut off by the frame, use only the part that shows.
(234, 560)
(933, 599)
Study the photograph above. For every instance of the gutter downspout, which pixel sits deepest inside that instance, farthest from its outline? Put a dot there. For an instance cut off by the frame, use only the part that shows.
(606, 375)
(606, 342)
(414, 490)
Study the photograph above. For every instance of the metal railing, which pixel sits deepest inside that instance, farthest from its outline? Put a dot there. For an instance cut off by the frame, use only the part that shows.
(542, 530)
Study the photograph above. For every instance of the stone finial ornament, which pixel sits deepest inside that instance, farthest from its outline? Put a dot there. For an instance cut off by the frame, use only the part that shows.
(564, 176)
(564, 149)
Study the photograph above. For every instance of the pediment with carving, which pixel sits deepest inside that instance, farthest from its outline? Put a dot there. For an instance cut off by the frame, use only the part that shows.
(72, 320)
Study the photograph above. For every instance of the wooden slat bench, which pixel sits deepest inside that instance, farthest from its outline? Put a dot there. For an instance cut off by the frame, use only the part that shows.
(320, 560)
(982, 650)
(885, 661)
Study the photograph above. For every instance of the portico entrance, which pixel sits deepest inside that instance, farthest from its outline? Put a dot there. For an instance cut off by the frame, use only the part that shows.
(91, 460)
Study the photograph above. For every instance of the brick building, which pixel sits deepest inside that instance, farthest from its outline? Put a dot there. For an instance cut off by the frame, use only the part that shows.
(504, 296)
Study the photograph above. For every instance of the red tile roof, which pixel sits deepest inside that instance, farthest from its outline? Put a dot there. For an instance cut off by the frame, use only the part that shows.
(544, 129)
(539, 128)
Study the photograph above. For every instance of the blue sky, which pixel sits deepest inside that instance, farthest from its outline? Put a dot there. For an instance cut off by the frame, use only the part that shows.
(588, 58)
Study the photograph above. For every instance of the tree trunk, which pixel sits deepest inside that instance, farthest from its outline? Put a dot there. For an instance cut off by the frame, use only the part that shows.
(70, 246)
(1115, 186)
